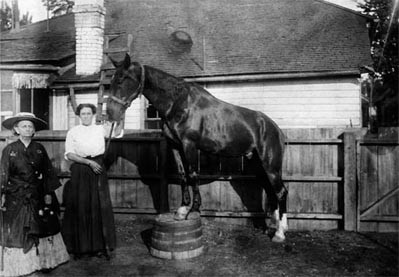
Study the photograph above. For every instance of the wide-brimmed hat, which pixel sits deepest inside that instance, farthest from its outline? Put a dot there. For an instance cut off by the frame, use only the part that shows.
(40, 124)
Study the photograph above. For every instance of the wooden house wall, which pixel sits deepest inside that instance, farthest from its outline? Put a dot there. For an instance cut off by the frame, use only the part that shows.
(293, 103)
(59, 99)
(299, 103)
(6, 94)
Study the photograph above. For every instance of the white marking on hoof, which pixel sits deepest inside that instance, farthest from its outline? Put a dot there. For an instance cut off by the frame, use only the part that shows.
(278, 237)
(284, 223)
(181, 213)
(249, 155)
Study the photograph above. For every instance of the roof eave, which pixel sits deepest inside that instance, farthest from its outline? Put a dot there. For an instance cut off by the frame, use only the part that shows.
(271, 76)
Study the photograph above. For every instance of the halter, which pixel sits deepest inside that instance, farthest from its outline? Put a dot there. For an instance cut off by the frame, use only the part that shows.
(126, 103)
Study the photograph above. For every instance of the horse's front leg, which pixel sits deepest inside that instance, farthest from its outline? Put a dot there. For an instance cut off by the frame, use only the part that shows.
(186, 200)
(191, 155)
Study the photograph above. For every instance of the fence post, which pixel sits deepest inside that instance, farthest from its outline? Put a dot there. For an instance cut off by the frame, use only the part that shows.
(164, 192)
(350, 192)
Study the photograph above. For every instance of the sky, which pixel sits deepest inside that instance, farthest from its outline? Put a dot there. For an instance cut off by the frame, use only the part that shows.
(38, 11)
(34, 7)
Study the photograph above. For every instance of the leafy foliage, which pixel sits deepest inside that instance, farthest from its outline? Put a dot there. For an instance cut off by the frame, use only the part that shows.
(384, 52)
(383, 33)
(6, 17)
(58, 7)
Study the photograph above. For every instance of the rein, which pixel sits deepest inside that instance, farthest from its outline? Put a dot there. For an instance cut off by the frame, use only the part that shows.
(109, 139)
(126, 103)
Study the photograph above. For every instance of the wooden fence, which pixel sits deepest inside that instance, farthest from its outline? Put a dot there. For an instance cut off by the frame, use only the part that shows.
(378, 175)
(320, 171)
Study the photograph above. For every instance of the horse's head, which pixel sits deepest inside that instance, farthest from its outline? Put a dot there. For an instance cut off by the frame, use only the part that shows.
(126, 85)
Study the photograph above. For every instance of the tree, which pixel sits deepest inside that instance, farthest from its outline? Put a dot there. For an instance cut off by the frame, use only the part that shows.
(384, 52)
(6, 17)
(26, 19)
(58, 7)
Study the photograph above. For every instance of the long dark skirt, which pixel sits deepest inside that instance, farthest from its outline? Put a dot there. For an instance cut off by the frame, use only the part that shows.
(88, 226)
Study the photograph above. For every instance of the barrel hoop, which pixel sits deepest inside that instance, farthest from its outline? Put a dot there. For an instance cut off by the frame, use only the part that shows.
(176, 246)
(177, 255)
(177, 235)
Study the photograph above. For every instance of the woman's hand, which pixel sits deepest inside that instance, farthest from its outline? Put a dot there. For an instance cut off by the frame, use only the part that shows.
(48, 199)
(95, 167)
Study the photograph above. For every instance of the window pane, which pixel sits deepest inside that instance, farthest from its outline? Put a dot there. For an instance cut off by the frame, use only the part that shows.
(151, 112)
(25, 96)
(41, 104)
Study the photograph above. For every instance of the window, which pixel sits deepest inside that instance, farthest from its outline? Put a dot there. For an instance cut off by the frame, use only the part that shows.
(152, 119)
(35, 101)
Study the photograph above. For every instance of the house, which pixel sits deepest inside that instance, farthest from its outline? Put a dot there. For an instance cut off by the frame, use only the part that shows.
(295, 60)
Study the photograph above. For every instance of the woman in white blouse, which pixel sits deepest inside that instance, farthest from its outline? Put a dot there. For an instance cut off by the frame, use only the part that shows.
(88, 225)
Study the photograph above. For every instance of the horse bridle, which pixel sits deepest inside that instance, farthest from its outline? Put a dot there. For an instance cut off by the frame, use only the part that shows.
(126, 103)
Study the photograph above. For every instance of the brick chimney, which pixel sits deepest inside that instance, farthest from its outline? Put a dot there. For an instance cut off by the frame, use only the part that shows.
(89, 25)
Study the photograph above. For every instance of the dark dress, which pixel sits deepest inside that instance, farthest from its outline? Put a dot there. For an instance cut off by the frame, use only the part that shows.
(27, 175)
(88, 224)
(32, 240)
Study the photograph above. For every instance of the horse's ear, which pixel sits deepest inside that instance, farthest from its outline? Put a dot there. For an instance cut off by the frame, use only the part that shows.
(126, 61)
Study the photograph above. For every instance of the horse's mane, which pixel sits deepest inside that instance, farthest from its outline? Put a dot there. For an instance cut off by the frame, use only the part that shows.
(175, 85)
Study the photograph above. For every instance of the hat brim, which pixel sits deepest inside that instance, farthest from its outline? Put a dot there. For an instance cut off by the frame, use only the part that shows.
(39, 123)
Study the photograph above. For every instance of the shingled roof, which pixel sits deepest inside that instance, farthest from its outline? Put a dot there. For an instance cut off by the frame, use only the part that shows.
(33, 43)
(229, 37)
(243, 37)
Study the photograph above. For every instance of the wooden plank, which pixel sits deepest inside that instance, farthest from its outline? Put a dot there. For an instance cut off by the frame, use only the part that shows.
(350, 193)
(208, 213)
(379, 202)
(293, 178)
(388, 158)
(381, 218)
(378, 142)
(368, 181)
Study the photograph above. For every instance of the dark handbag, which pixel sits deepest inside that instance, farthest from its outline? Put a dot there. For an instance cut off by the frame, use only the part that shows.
(49, 223)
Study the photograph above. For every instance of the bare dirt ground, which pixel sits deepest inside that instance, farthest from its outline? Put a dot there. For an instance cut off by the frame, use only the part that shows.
(233, 250)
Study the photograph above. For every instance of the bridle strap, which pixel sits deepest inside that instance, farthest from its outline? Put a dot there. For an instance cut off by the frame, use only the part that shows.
(126, 103)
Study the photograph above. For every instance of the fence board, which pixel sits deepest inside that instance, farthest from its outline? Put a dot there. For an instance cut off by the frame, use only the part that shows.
(311, 172)
(378, 185)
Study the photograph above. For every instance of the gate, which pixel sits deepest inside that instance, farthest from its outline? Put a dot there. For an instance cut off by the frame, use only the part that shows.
(378, 186)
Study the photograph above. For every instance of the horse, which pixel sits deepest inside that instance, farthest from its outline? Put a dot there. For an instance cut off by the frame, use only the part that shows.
(196, 120)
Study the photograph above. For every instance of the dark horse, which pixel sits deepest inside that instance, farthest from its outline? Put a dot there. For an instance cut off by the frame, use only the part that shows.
(195, 119)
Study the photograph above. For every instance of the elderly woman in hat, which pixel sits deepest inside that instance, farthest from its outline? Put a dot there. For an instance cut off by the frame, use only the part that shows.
(28, 182)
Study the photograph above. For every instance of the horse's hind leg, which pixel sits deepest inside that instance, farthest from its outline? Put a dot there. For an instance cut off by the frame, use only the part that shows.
(280, 214)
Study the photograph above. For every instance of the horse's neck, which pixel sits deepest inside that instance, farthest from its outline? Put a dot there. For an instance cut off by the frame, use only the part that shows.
(162, 89)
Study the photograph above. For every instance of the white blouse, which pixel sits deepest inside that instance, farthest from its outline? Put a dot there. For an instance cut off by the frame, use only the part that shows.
(85, 140)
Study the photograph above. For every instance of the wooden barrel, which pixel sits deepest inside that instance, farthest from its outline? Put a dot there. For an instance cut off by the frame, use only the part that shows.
(172, 239)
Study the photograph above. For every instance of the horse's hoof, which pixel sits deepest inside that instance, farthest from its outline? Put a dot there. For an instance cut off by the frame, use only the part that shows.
(278, 239)
(181, 213)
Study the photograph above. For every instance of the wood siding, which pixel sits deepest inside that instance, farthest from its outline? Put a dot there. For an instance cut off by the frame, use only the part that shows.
(133, 114)
(293, 103)
(298, 103)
